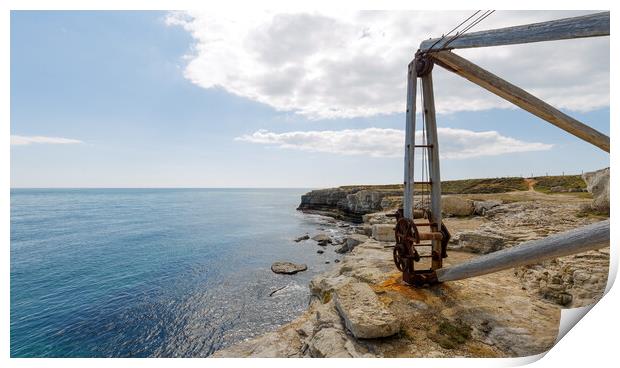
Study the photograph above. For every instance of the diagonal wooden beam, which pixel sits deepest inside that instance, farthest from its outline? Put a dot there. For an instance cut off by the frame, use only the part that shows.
(519, 97)
(575, 241)
(592, 25)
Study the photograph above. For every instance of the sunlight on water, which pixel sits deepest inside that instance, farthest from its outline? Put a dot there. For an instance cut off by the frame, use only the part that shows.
(155, 272)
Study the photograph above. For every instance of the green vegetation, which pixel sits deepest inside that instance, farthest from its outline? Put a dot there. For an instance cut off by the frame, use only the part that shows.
(546, 184)
(558, 184)
(471, 186)
(465, 186)
(590, 212)
(449, 335)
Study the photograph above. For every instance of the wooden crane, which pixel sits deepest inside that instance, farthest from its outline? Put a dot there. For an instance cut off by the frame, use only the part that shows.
(439, 51)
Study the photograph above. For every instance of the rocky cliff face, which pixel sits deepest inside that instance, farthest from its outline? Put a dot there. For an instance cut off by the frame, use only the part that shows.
(348, 203)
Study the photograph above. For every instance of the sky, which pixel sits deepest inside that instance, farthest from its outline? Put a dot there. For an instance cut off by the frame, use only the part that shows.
(268, 99)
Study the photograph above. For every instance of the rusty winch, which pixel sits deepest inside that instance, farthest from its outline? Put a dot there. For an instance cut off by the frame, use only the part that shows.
(409, 239)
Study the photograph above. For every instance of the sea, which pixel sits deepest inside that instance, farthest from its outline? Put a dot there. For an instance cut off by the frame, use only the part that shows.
(155, 272)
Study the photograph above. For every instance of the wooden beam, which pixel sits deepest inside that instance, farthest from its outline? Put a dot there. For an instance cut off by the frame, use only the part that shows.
(433, 162)
(579, 240)
(409, 141)
(519, 97)
(592, 25)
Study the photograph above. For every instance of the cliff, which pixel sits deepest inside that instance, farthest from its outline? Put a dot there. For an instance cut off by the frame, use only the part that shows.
(361, 308)
(350, 203)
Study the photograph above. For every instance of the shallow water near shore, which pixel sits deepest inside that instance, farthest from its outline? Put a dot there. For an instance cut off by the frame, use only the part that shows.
(154, 272)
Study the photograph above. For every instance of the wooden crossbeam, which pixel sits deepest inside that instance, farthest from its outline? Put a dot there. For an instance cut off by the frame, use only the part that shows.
(592, 25)
(519, 97)
(575, 241)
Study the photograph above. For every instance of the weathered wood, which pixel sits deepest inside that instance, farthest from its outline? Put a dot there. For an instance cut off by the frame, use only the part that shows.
(579, 240)
(519, 97)
(433, 161)
(593, 25)
(409, 141)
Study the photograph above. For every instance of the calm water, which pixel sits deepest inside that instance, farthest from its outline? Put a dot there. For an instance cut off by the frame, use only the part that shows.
(156, 272)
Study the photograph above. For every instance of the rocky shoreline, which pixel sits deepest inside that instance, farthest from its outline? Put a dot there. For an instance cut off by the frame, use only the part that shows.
(361, 308)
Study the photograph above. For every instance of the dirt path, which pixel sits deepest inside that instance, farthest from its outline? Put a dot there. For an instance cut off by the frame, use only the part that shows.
(530, 184)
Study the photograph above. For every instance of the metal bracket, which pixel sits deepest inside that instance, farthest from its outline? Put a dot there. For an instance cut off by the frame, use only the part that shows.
(423, 64)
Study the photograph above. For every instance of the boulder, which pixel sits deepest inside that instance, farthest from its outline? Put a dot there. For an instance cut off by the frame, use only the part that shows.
(598, 184)
(303, 237)
(322, 239)
(481, 207)
(457, 206)
(479, 242)
(363, 230)
(350, 242)
(383, 232)
(363, 313)
(288, 268)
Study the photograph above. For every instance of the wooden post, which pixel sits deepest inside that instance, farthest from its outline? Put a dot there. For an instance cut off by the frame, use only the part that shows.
(433, 160)
(579, 240)
(519, 97)
(409, 141)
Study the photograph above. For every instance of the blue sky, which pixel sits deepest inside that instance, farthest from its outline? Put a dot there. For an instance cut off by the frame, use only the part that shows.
(140, 102)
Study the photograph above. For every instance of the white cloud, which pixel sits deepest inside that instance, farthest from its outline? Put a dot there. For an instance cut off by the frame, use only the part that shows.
(20, 140)
(353, 64)
(377, 142)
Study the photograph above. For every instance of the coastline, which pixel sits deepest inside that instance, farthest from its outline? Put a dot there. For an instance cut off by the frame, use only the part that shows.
(506, 314)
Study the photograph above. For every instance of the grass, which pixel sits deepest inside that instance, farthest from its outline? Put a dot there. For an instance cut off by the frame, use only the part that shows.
(572, 184)
(465, 186)
(544, 184)
(449, 335)
(477, 186)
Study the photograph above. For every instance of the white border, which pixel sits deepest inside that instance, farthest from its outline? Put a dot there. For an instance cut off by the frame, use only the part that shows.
(591, 342)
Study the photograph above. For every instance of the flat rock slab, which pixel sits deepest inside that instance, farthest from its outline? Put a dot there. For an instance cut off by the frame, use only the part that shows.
(288, 268)
(363, 313)
(321, 237)
(383, 232)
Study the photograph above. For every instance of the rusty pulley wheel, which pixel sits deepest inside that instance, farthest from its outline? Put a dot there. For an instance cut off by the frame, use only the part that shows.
(406, 232)
(401, 258)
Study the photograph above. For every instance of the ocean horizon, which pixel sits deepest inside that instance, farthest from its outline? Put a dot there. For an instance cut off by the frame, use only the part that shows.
(158, 272)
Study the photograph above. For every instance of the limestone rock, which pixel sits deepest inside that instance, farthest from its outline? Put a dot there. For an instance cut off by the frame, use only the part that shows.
(481, 207)
(457, 206)
(323, 285)
(348, 203)
(303, 237)
(383, 232)
(598, 185)
(322, 237)
(479, 242)
(364, 230)
(288, 268)
(363, 313)
(350, 242)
